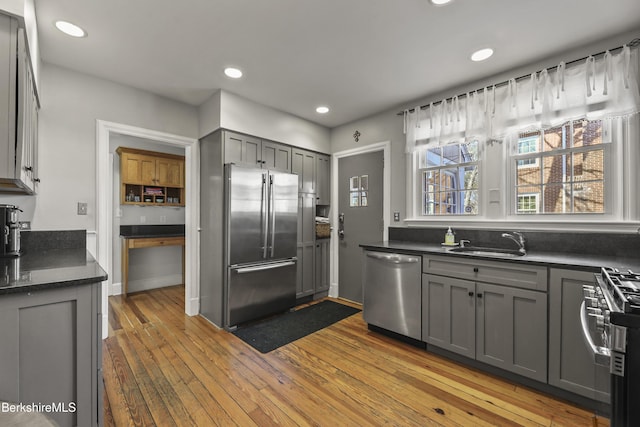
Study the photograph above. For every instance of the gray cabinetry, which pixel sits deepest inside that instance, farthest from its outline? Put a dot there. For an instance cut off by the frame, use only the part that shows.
(322, 282)
(51, 351)
(449, 314)
(571, 365)
(502, 322)
(251, 151)
(511, 329)
(303, 163)
(18, 112)
(323, 179)
(306, 244)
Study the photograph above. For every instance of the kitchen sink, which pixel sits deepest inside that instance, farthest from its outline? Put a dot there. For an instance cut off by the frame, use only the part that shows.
(495, 252)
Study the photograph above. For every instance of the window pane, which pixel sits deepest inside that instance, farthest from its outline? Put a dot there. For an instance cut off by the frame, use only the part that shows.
(449, 179)
(470, 176)
(556, 198)
(450, 154)
(469, 152)
(586, 133)
(364, 182)
(588, 197)
(555, 138)
(363, 198)
(529, 143)
(469, 202)
(528, 203)
(354, 183)
(432, 180)
(354, 199)
(433, 157)
(556, 168)
(528, 173)
(588, 166)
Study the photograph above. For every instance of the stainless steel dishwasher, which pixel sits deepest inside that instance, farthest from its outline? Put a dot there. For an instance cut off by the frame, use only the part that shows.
(393, 292)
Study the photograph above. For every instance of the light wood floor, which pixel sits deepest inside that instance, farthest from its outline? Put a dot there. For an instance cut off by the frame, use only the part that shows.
(162, 368)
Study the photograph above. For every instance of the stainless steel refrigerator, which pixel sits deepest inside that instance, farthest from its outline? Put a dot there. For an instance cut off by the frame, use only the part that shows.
(261, 209)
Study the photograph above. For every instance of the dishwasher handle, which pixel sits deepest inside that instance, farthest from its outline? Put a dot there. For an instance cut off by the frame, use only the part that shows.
(394, 258)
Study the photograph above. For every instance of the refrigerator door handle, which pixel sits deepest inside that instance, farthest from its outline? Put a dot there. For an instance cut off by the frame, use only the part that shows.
(265, 216)
(264, 267)
(272, 207)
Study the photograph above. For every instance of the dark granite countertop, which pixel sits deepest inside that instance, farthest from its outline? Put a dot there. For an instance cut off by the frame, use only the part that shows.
(45, 269)
(145, 231)
(551, 259)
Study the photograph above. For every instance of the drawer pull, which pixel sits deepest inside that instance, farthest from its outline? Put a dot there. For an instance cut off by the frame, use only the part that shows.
(475, 269)
(470, 293)
(479, 295)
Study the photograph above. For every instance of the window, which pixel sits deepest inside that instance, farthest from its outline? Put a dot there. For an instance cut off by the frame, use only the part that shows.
(449, 179)
(561, 170)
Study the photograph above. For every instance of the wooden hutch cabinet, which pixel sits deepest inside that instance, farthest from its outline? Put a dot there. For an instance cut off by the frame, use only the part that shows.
(151, 178)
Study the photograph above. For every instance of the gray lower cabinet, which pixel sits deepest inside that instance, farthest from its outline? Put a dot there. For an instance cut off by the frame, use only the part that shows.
(322, 281)
(51, 352)
(306, 245)
(511, 329)
(502, 323)
(449, 314)
(571, 364)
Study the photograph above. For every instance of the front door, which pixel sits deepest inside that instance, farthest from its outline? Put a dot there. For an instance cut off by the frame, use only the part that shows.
(360, 196)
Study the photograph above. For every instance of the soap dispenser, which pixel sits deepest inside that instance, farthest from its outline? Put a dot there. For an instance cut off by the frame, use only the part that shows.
(449, 238)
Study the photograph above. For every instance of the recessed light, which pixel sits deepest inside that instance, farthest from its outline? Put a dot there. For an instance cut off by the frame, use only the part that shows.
(234, 73)
(322, 110)
(440, 2)
(482, 54)
(70, 29)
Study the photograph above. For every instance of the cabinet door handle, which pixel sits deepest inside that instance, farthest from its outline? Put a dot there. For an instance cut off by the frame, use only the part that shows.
(470, 293)
(475, 269)
(479, 295)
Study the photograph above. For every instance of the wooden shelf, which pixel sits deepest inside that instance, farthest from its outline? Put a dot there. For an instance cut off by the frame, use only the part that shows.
(149, 178)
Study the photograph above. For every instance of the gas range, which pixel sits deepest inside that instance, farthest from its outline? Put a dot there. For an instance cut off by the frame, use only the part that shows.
(621, 290)
(610, 317)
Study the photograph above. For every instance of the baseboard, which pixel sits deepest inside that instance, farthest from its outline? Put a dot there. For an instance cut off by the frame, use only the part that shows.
(333, 290)
(147, 284)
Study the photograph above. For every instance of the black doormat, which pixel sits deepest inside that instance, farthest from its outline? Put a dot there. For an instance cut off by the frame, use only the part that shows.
(274, 332)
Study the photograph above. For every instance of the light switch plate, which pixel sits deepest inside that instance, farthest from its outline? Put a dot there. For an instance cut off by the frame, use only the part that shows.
(82, 208)
(25, 225)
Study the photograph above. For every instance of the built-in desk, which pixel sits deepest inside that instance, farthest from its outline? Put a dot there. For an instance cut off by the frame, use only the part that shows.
(137, 237)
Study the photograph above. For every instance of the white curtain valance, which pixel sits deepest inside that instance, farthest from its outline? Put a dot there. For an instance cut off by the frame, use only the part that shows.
(593, 89)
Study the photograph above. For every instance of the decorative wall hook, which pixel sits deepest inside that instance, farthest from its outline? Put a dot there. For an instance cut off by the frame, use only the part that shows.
(356, 136)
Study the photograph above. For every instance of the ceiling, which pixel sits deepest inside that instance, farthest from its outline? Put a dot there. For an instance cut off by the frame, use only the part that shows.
(358, 57)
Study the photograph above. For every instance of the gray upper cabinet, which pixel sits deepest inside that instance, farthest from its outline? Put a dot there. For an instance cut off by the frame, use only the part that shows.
(276, 156)
(304, 164)
(479, 309)
(306, 245)
(571, 365)
(251, 151)
(323, 179)
(18, 112)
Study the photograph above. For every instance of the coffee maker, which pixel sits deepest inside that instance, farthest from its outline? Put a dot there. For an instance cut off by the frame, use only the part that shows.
(9, 231)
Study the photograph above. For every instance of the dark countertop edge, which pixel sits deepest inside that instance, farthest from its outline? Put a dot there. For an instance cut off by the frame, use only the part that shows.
(549, 259)
(92, 272)
(52, 285)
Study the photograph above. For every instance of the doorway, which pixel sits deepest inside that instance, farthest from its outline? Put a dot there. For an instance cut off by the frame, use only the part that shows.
(361, 183)
(104, 209)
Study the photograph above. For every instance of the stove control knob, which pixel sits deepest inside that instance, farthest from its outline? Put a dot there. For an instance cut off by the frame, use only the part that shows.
(588, 291)
(591, 301)
(599, 321)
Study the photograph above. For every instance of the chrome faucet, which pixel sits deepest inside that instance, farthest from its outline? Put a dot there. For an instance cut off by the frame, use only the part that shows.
(464, 242)
(517, 237)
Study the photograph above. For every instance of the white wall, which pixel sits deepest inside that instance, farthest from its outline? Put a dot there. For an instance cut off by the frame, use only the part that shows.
(242, 115)
(71, 104)
(388, 125)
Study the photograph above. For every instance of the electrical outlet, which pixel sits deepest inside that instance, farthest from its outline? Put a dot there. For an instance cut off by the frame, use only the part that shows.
(82, 208)
(396, 216)
(25, 225)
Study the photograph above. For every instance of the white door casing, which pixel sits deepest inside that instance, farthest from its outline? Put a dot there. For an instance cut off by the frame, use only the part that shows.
(104, 208)
(385, 147)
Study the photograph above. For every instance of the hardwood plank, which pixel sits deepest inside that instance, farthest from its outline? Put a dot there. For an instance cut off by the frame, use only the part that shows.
(162, 367)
